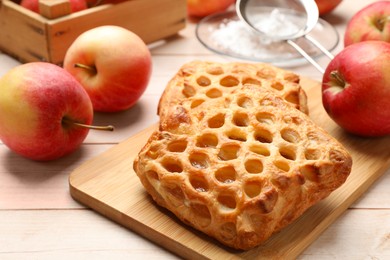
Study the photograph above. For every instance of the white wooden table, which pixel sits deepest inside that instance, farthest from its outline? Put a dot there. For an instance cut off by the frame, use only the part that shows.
(40, 220)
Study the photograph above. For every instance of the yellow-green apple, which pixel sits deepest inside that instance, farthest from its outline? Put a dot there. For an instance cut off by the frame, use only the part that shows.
(75, 5)
(43, 110)
(370, 23)
(356, 88)
(113, 64)
(327, 6)
(202, 8)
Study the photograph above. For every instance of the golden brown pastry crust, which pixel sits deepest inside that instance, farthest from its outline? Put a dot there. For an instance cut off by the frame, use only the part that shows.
(240, 167)
(199, 81)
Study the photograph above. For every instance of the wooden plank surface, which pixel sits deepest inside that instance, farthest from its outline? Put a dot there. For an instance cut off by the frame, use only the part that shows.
(108, 185)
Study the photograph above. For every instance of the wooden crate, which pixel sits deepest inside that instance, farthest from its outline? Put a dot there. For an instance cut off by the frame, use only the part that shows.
(29, 36)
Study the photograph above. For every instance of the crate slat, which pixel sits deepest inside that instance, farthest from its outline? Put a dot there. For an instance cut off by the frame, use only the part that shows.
(32, 37)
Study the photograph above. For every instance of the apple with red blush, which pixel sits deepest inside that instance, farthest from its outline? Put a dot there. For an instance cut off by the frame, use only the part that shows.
(202, 8)
(356, 88)
(113, 64)
(327, 6)
(370, 23)
(44, 112)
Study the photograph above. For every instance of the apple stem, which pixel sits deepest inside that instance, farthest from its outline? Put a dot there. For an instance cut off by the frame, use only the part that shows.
(83, 66)
(340, 81)
(380, 23)
(102, 128)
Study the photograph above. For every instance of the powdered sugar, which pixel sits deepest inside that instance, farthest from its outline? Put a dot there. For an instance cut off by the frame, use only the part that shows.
(277, 22)
(226, 34)
(238, 37)
(235, 36)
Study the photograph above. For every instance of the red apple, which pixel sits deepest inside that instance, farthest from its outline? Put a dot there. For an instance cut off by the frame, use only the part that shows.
(44, 112)
(370, 23)
(40, 106)
(202, 8)
(75, 5)
(327, 6)
(78, 5)
(356, 88)
(113, 65)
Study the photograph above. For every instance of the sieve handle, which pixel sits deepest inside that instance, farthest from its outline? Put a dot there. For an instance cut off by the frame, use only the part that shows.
(319, 46)
(307, 56)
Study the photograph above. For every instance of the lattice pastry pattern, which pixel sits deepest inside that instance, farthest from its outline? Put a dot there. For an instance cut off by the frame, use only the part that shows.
(200, 81)
(241, 167)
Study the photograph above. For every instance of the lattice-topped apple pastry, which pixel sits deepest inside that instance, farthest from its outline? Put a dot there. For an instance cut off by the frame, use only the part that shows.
(240, 167)
(200, 81)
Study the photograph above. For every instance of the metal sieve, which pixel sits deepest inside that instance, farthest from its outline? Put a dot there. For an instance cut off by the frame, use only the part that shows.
(283, 20)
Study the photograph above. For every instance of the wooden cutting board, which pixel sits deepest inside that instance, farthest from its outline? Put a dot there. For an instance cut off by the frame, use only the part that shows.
(109, 185)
